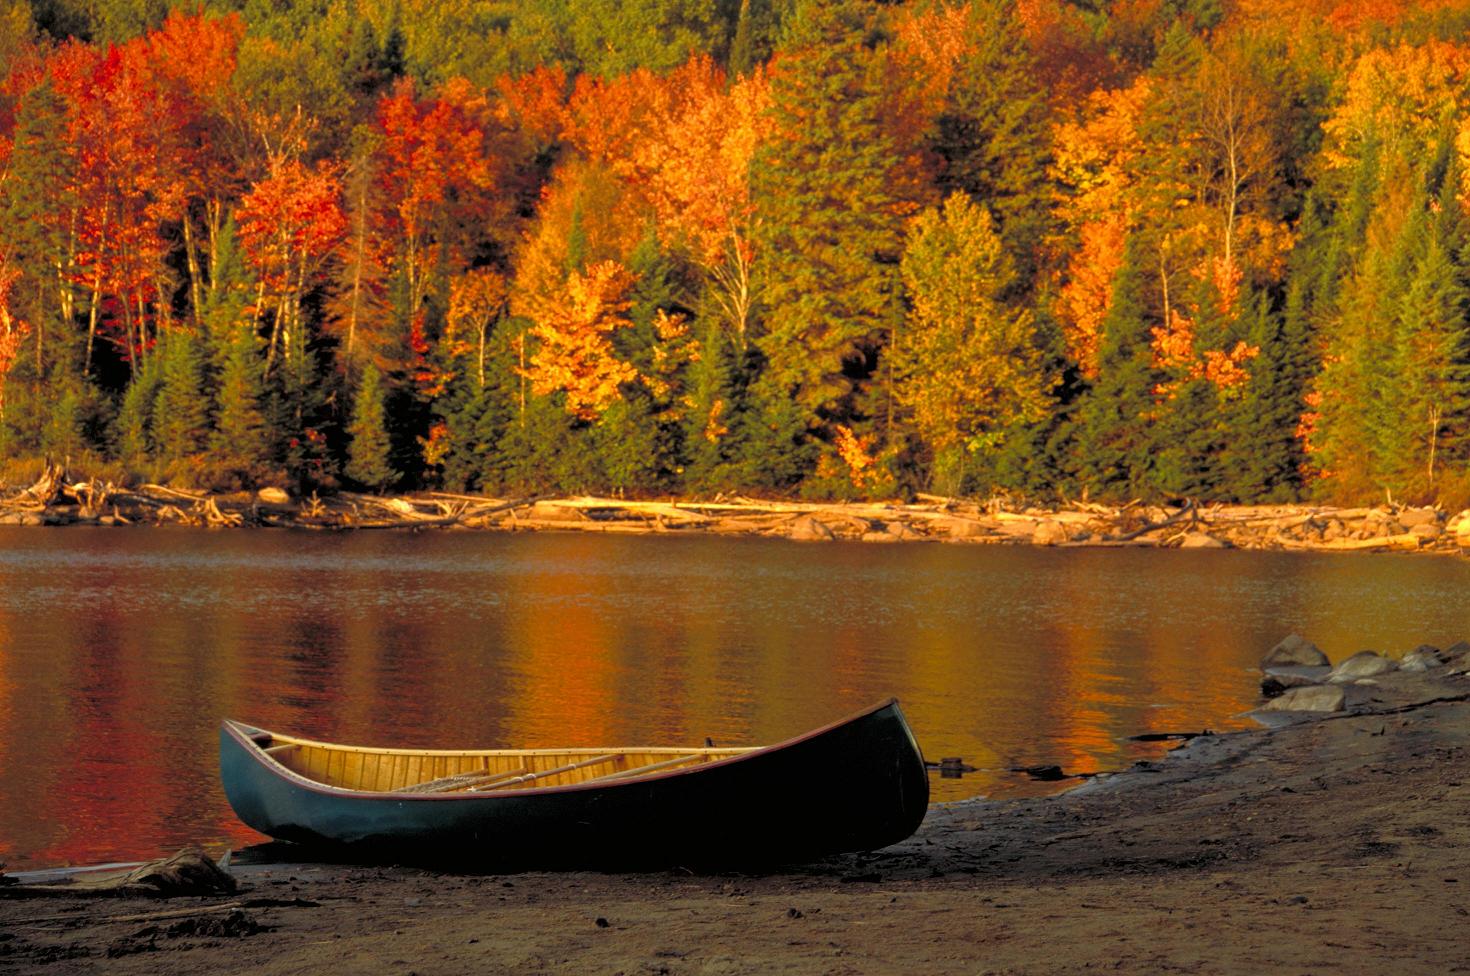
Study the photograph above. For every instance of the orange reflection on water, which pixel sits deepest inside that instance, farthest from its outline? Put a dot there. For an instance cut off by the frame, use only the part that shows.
(567, 661)
(120, 652)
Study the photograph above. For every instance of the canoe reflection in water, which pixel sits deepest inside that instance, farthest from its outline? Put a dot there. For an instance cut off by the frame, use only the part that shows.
(855, 785)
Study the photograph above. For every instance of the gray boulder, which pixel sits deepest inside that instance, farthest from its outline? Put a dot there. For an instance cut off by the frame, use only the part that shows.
(1364, 664)
(902, 532)
(1202, 540)
(1295, 652)
(1275, 683)
(808, 529)
(963, 528)
(891, 532)
(1425, 657)
(1315, 698)
(1049, 532)
(1411, 517)
(1428, 531)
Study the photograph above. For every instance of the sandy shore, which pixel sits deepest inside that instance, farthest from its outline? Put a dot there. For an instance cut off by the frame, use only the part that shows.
(1337, 845)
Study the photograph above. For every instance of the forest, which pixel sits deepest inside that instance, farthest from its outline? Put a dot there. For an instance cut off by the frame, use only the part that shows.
(837, 249)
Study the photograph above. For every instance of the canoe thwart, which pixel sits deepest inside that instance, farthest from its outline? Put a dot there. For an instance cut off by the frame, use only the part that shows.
(650, 768)
(532, 777)
(459, 781)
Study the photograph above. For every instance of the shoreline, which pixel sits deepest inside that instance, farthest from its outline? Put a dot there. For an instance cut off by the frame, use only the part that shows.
(1335, 841)
(57, 501)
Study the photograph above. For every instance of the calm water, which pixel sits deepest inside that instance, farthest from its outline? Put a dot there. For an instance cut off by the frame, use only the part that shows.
(120, 651)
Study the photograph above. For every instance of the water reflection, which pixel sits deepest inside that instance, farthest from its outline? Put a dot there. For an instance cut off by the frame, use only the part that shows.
(120, 651)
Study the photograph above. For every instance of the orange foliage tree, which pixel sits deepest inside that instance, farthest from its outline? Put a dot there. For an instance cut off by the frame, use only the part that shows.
(682, 144)
(126, 133)
(291, 223)
(574, 353)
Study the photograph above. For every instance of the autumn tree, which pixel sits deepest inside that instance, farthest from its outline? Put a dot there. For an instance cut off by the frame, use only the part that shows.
(573, 353)
(966, 366)
(291, 223)
(431, 179)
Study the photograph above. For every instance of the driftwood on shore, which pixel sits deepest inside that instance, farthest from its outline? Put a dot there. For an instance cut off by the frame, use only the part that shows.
(56, 499)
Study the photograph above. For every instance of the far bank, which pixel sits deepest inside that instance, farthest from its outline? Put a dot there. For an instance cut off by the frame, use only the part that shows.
(56, 500)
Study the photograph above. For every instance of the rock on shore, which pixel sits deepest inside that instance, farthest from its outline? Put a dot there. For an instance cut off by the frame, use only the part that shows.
(1295, 651)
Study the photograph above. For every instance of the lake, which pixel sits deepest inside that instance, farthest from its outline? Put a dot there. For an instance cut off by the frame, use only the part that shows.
(121, 650)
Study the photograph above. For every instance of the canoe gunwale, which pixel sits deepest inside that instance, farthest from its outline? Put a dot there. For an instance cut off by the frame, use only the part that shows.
(244, 736)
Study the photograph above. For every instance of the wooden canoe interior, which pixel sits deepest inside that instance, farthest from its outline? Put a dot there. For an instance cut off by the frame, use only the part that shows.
(479, 773)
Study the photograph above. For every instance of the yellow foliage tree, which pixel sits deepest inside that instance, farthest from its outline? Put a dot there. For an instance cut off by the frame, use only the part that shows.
(573, 330)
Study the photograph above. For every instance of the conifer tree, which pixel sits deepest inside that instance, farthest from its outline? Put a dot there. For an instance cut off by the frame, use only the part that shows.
(714, 405)
(181, 419)
(38, 204)
(773, 450)
(241, 438)
(370, 452)
(133, 428)
(1359, 390)
(1261, 458)
(742, 44)
(65, 432)
(638, 437)
(993, 134)
(1433, 353)
(831, 229)
(1113, 441)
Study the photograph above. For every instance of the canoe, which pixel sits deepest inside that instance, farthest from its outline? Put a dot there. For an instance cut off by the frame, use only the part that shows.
(855, 785)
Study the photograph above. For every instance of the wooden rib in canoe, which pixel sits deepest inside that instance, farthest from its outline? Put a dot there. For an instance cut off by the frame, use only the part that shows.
(857, 784)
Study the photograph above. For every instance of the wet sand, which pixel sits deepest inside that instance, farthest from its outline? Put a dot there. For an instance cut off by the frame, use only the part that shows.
(1335, 845)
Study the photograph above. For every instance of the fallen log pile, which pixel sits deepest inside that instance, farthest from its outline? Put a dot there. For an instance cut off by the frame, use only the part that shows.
(56, 499)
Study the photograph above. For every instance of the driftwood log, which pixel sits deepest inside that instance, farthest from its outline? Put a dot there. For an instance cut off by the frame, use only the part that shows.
(190, 872)
(55, 498)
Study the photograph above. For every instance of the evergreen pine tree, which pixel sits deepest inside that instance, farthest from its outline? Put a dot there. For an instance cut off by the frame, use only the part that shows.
(64, 433)
(742, 44)
(133, 428)
(713, 409)
(223, 307)
(241, 438)
(1261, 458)
(1433, 354)
(1361, 410)
(1113, 446)
(830, 231)
(39, 187)
(772, 449)
(638, 436)
(181, 417)
(370, 451)
(993, 136)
